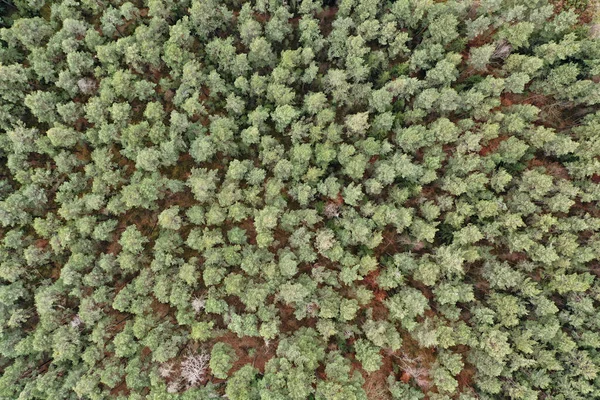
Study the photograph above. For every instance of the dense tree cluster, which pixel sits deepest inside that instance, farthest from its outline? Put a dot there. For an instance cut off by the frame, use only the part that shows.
(297, 199)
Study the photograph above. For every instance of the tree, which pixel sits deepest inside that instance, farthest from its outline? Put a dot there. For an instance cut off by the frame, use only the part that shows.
(242, 385)
(283, 116)
(261, 53)
(358, 124)
(368, 355)
(222, 357)
(203, 182)
(480, 56)
(42, 105)
(132, 240)
(170, 219)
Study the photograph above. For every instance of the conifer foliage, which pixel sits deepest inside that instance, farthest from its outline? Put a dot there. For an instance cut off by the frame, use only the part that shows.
(299, 199)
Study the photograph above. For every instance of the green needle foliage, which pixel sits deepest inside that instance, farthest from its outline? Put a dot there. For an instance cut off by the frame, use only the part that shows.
(299, 199)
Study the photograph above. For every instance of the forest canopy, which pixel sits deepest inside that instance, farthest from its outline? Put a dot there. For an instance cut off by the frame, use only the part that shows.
(299, 199)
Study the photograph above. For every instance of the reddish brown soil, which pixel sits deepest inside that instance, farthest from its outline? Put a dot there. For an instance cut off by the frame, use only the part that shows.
(492, 145)
(553, 168)
(248, 350)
